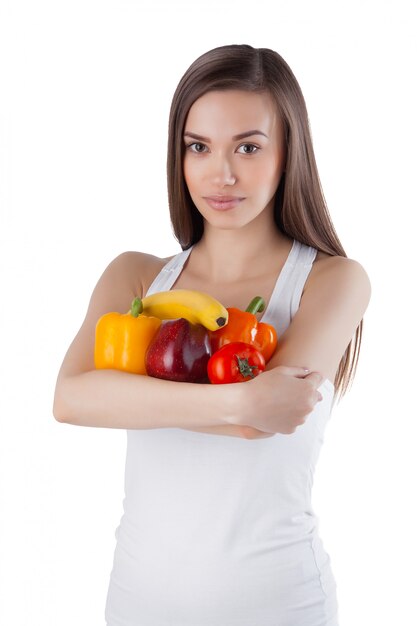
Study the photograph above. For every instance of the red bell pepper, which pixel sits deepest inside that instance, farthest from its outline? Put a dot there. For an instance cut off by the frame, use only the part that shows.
(244, 326)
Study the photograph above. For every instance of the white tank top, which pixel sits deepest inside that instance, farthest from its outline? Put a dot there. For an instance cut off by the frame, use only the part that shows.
(219, 530)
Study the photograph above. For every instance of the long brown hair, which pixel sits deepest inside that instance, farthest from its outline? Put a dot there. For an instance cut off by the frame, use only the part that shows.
(300, 209)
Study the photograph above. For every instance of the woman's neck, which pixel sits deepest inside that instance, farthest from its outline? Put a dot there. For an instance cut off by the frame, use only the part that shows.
(226, 256)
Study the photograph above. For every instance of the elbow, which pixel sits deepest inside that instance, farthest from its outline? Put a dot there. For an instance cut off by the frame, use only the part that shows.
(67, 405)
(57, 410)
(60, 409)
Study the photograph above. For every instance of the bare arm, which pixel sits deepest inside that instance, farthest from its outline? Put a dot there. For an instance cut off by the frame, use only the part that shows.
(330, 311)
(113, 399)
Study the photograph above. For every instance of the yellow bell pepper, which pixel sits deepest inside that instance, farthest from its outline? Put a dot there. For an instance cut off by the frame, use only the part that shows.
(122, 339)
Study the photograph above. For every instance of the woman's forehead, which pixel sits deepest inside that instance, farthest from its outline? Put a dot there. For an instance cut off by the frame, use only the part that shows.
(232, 112)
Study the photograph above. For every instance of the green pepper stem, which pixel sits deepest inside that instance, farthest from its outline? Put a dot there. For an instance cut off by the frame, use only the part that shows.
(137, 307)
(257, 305)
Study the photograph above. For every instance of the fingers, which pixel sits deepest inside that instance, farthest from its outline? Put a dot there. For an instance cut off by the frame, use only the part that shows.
(288, 370)
(248, 432)
(315, 378)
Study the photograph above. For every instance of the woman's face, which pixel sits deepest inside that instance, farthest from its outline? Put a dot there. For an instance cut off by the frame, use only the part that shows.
(234, 156)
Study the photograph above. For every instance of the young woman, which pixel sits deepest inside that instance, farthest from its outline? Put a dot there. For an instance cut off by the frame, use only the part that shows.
(218, 528)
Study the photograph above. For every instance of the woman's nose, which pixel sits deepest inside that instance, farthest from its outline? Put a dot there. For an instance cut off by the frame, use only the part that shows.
(222, 173)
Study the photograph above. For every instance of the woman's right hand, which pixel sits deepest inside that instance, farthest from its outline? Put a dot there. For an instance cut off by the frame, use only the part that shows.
(279, 400)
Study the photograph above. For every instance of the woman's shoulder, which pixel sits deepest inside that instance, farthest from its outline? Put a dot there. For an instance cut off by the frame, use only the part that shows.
(139, 267)
(136, 257)
(334, 269)
(327, 262)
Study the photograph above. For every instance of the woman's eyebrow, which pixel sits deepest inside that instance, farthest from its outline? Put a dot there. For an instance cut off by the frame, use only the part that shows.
(248, 133)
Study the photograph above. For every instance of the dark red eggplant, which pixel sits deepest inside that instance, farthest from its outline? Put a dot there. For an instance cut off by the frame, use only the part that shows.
(179, 351)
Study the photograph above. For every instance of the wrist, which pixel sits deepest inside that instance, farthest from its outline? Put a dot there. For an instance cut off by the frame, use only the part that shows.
(233, 399)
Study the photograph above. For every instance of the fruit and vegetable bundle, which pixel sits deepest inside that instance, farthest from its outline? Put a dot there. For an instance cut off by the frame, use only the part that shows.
(186, 336)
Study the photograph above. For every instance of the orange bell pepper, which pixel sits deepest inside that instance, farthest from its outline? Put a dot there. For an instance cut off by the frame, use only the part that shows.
(244, 326)
(122, 340)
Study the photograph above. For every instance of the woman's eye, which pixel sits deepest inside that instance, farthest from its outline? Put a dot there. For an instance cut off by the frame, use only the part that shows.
(250, 148)
(196, 147)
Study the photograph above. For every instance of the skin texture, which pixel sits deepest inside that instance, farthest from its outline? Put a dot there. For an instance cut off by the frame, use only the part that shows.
(239, 256)
(249, 168)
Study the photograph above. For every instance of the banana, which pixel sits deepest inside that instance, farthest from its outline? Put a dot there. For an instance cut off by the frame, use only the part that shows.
(195, 306)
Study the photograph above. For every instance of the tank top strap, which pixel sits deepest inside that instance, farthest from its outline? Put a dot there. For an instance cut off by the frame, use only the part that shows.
(302, 269)
(169, 273)
(285, 298)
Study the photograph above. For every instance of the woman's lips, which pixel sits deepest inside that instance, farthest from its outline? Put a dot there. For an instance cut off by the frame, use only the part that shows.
(223, 202)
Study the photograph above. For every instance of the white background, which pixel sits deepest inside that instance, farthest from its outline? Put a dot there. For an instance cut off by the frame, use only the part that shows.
(86, 89)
